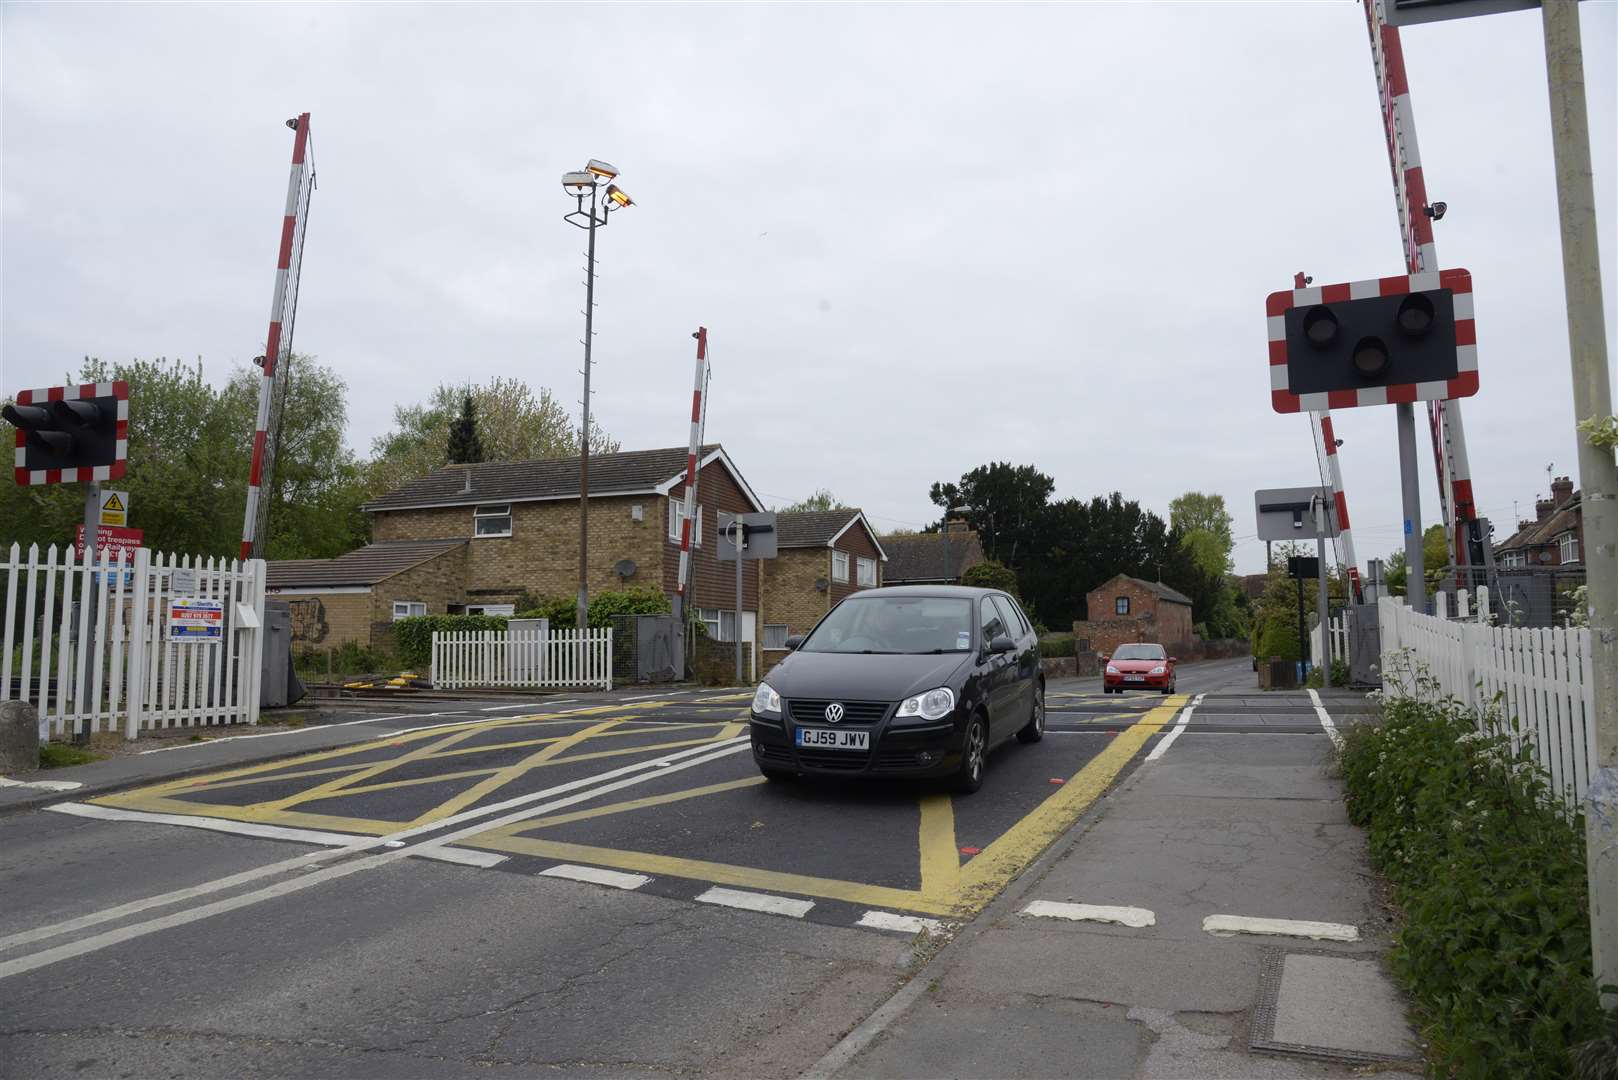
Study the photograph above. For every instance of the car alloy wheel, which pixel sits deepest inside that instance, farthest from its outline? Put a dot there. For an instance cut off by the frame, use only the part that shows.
(1034, 730)
(973, 751)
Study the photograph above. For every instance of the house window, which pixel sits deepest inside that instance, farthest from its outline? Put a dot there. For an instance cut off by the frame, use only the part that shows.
(491, 609)
(1570, 547)
(404, 609)
(775, 635)
(1120, 606)
(839, 566)
(867, 569)
(677, 519)
(492, 520)
(721, 623)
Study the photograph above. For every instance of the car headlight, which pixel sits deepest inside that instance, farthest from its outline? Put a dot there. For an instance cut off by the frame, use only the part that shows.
(1111, 670)
(1159, 670)
(933, 705)
(766, 702)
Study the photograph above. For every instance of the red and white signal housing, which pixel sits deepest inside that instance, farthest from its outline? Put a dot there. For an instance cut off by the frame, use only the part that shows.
(113, 399)
(1288, 395)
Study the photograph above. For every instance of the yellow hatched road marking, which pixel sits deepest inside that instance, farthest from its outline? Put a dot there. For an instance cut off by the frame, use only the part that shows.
(501, 777)
(940, 858)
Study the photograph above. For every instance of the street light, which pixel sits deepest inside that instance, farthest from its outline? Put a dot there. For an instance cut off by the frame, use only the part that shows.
(588, 181)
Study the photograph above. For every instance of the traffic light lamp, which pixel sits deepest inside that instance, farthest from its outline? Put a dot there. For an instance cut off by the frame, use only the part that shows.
(68, 434)
(1379, 342)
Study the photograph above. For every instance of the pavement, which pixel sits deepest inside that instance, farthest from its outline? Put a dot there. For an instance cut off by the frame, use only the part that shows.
(603, 885)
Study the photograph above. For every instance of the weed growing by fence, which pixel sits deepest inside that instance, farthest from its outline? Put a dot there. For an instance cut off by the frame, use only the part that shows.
(1488, 870)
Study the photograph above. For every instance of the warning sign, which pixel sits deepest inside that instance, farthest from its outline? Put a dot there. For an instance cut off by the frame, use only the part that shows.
(115, 508)
(110, 538)
(193, 618)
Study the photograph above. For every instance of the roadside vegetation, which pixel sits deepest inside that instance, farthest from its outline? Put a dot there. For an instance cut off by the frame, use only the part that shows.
(55, 755)
(1488, 873)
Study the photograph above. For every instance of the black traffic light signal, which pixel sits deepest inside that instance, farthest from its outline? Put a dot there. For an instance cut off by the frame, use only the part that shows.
(70, 433)
(1393, 340)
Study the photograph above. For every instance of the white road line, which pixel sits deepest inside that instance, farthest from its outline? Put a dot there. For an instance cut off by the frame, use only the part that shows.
(1124, 916)
(1226, 925)
(595, 875)
(1168, 740)
(1325, 721)
(650, 697)
(752, 901)
(647, 768)
(908, 924)
(109, 938)
(461, 856)
(499, 708)
(43, 785)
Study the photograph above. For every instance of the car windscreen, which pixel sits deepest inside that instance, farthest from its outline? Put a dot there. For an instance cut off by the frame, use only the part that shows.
(1139, 652)
(895, 624)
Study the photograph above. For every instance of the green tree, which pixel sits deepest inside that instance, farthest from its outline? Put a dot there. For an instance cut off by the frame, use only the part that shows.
(464, 446)
(514, 424)
(1435, 555)
(991, 575)
(820, 500)
(1204, 526)
(1003, 503)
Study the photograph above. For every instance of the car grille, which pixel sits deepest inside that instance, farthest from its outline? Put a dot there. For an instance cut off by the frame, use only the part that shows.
(807, 711)
(773, 753)
(898, 759)
(841, 760)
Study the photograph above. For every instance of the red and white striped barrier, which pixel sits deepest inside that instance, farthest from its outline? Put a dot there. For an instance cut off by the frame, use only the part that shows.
(1421, 253)
(94, 474)
(698, 416)
(278, 344)
(1345, 537)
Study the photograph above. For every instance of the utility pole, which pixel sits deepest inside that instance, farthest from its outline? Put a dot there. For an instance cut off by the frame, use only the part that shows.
(582, 616)
(87, 610)
(1598, 480)
(1325, 603)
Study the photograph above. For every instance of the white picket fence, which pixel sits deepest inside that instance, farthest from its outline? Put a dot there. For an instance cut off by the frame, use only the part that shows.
(1543, 677)
(122, 672)
(529, 659)
(1337, 629)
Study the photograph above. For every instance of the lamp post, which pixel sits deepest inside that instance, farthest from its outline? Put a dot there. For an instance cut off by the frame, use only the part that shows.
(589, 180)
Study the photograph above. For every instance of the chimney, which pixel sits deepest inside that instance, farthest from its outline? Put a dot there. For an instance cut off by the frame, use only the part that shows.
(1561, 490)
(1523, 526)
(1543, 508)
(466, 488)
(956, 525)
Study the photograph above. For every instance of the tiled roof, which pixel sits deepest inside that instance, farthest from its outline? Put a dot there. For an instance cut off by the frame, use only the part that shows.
(926, 557)
(366, 566)
(811, 528)
(635, 471)
(1542, 533)
(1161, 590)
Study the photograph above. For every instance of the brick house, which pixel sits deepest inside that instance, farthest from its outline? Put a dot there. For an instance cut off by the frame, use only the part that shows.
(517, 525)
(821, 558)
(1128, 609)
(1554, 538)
(355, 597)
(931, 558)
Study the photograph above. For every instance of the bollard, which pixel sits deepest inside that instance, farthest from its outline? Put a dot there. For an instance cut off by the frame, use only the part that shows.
(19, 737)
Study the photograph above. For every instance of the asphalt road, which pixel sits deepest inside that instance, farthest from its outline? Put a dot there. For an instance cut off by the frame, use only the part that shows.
(602, 887)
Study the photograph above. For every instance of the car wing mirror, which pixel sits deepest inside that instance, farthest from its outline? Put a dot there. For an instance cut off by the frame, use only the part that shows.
(794, 641)
(1174, 659)
(1002, 644)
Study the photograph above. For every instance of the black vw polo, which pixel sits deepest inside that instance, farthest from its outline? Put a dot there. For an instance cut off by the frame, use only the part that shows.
(909, 681)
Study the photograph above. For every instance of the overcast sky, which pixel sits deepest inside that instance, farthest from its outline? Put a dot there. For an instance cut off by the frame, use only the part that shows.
(923, 237)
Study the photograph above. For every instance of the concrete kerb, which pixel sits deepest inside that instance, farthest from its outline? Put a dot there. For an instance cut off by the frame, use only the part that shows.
(939, 963)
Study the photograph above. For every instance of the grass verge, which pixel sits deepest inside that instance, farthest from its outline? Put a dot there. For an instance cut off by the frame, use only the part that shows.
(1488, 872)
(55, 755)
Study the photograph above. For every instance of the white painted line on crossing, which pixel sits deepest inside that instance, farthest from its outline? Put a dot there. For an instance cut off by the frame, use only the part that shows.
(635, 773)
(906, 924)
(1325, 721)
(500, 708)
(595, 875)
(752, 901)
(1124, 916)
(650, 697)
(1179, 729)
(43, 785)
(460, 856)
(191, 821)
(1226, 925)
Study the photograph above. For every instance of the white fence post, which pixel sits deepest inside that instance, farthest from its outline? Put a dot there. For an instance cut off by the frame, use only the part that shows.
(135, 670)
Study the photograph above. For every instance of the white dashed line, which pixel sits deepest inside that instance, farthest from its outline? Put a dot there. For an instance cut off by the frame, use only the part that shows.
(1226, 925)
(594, 875)
(1124, 916)
(1179, 729)
(907, 924)
(1325, 721)
(752, 901)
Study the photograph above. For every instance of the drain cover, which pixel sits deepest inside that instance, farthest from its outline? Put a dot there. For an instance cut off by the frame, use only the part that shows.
(1327, 1005)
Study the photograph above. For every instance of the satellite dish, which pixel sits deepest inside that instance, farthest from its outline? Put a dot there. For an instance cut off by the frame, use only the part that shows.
(625, 568)
(821, 584)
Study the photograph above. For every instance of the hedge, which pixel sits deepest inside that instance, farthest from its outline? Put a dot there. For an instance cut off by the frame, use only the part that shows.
(1054, 646)
(563, 611)
(414, 635)
(991, 575)
(1489, 875)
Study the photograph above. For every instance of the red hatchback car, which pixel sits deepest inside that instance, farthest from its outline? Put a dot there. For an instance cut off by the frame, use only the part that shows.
(1139, 666)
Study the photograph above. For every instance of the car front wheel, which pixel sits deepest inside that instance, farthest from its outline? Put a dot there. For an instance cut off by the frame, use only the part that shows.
(1034, 730)
(974, 756)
